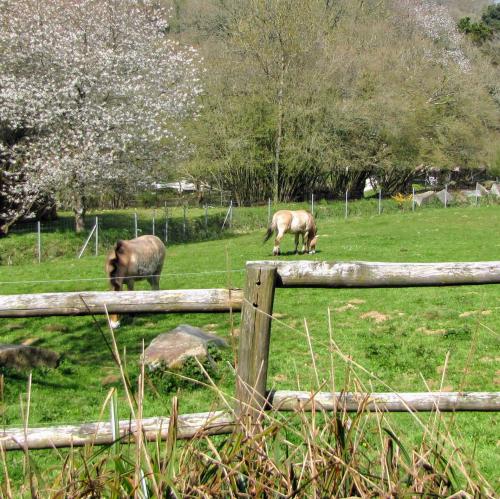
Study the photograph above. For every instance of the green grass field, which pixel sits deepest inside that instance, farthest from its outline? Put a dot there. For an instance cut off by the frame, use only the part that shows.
(401, 336)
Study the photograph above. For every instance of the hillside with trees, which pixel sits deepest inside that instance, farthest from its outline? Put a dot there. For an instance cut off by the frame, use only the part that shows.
(319, 96)
(100, 100)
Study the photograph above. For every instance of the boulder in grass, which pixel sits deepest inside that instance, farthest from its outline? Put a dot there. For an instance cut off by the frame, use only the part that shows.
(482, 190)
(495, 190)
(446, 197)
(171, 349)
(25, 357)
(424, 197)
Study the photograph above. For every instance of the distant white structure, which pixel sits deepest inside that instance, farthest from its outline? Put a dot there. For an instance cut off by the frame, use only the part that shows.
(370, 185)
(181, 186)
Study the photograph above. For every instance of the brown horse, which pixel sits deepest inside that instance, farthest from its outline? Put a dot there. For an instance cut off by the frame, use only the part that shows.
(297, 222)
(134, 260)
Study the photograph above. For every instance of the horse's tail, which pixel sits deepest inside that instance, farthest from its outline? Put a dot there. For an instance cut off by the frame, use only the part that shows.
(270, 231)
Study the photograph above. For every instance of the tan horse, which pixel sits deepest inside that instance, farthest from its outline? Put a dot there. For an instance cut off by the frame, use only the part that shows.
(134, 260)
(297, 222)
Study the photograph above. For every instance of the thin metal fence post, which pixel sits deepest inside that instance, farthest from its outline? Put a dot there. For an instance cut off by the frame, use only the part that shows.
(96, 236)
(379, 201)
(268, 211)
(184, 223)
(166, 225)
(135, 224)
(312, 204)
(477, 195)
(87, 241)
(446, 195)
(153, 228)
(231, 214)
(206, 218)
(39, 241)
(413, 199)
(346, 207)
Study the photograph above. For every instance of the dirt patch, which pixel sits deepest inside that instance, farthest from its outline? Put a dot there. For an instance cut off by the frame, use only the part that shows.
(489, 359)
(277, 315)
(431, 332)
(356, 301)
(30, 341)
(475, 312)
(14, 326)
(280, 377)
(110, 379)
(344, 308)
(55, 328)
(376, 316)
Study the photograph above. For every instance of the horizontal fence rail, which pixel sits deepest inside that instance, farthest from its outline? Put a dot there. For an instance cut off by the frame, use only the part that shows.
(220, 422)
(318, 274)
(88, 303)
(102, 433)
(283, 400)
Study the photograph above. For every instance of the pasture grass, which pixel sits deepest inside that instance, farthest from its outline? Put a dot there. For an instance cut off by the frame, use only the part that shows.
(402, 337)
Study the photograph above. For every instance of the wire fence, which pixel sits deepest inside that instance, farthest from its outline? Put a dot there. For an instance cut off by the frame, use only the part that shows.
(181, 224)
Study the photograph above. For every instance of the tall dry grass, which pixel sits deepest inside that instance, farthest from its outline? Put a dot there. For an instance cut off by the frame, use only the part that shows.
(300, 454)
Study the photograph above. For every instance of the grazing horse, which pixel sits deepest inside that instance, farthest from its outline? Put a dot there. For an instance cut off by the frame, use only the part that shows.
(297, 222)
(134, 260)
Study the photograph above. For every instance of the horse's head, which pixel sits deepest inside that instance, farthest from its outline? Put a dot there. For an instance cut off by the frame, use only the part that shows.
(314, 239)
(116, 265)
(312, 244)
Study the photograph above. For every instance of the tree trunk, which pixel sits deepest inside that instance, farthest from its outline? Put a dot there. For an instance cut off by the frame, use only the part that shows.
(279, 134)
(79, 209)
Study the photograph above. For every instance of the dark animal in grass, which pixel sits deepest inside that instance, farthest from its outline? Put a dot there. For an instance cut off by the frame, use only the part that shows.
(299, 222)
(134, 260)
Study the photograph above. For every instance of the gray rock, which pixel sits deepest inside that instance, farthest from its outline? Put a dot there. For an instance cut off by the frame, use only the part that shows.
(482, 190)
(27, 357)
(445, 196)
(174, 347)
(424, 197)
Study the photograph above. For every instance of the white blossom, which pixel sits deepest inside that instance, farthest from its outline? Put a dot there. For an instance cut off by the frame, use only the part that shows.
(87, 86)
(437, 23)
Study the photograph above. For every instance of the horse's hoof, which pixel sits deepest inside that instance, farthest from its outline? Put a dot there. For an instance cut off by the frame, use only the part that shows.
(312, 252)
(114, 324)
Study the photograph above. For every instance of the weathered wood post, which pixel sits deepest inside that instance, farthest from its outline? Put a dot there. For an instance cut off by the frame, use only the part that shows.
(255, 334)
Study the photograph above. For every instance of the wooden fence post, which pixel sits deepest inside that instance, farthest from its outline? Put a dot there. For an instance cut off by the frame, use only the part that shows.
(255, 334)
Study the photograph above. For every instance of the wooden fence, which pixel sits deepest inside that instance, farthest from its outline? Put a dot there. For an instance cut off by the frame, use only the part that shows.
(256, 304)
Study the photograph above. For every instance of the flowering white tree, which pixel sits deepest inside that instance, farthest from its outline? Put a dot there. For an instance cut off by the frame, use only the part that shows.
(87, 87)
(437, 23)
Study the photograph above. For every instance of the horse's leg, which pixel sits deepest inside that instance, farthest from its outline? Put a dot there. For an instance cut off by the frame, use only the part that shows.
(277, 241)
(305, 243)
(296, 242)
(114, 319)
(154, 282)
